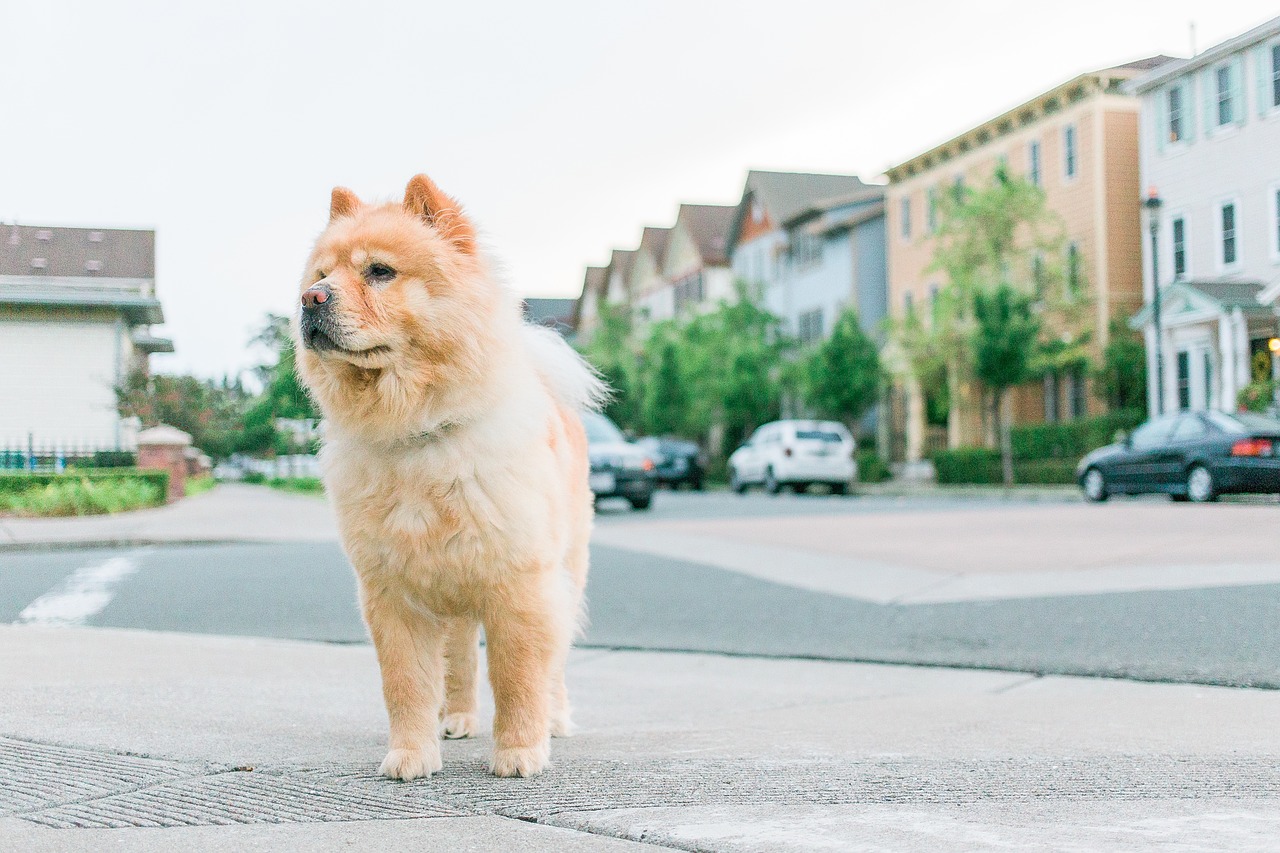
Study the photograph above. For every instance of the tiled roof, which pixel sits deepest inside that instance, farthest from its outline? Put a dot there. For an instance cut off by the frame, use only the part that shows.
(784, 194)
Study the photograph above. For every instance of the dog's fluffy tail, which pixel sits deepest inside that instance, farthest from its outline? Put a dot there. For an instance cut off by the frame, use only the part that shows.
(573, 382)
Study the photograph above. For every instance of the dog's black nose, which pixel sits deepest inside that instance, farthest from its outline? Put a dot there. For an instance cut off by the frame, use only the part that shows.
(316, 296)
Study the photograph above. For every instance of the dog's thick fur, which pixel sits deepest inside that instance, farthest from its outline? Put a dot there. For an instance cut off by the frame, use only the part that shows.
(457, 463)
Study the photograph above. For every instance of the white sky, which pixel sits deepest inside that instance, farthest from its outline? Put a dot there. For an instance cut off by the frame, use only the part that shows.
(563, 126)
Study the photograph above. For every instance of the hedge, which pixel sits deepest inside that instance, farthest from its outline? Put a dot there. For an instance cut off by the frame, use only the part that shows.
(978, 465)
(16, 483)
(871, 468)
(1071, 439)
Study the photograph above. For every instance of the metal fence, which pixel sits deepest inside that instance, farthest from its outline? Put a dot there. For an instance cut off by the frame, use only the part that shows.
(57, 456)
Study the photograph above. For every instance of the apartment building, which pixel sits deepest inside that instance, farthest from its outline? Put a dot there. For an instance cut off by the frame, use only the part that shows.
(1079, 143)
(1211, 155)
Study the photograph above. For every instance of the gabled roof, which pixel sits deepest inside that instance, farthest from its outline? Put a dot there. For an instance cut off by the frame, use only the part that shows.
(783, 194)
(621, 261)
(1176, 67)
(708, 227)
(869, 194)
(595, 279)
(67, 292)
(1207, 295)
(74, 252)
(654, 241)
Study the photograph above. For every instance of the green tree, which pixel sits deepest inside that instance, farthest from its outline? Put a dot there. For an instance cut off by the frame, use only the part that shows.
(1004, 344)
(666, 398)
(283, 395)
(842, 375)
(612, 350)
(209, 410)
(1121, 380)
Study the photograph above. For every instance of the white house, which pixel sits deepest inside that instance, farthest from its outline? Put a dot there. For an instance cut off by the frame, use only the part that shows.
(1210, 151)
(76, 307)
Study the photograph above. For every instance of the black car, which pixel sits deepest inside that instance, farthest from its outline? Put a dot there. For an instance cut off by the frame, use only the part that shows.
(1192, 456)
(676, 462)
(619, 469)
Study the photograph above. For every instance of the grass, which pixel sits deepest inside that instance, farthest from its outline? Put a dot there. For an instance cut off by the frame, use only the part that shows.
(199, 485)
(82, 496)
(301, 485)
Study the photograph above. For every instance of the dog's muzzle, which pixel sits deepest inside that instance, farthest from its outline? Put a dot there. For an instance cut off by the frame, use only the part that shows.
(316, 323)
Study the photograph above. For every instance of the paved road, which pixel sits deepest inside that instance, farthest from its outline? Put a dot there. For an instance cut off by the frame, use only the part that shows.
(1219, 635)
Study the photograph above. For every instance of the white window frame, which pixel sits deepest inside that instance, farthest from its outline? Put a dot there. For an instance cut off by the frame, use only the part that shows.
(1188, 105)
(1223, 266)
(1239, 112)
(1267, 74)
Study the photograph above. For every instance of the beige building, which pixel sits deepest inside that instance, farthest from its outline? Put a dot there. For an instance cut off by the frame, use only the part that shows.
(1079, 142)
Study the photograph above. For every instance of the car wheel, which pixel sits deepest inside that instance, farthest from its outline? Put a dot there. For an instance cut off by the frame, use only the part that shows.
(1200, 485)
(799, 488)
(1095, 486)
(771, 484)
(735, 482)
(839, 488)
(642, 503)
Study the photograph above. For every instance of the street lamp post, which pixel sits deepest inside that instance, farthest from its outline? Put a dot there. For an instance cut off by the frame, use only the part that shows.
(1152, 203)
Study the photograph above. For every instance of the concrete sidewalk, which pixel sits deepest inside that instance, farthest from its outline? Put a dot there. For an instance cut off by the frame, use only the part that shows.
(230, 513)
(119, 740)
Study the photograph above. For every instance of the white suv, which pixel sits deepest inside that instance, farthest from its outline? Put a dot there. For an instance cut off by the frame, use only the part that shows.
(796, 454)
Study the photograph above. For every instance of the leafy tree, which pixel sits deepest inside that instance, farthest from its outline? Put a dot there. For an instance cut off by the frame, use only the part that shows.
(1003, 350)
(666, 397)
(1121, 380)
(283, 395)
(612, 351)
(842, 375)
(210, 410)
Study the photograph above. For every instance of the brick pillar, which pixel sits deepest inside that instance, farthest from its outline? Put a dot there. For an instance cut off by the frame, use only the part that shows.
(164, 447)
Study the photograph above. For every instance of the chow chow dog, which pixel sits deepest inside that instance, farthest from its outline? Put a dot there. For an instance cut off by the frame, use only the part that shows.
(457, 463)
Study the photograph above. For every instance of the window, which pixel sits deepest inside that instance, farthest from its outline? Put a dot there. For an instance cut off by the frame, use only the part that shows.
(688, 291)
(1226, 94)
(1033, 157)
(806, 249)
(1229, 254)
(1037, 275)
(908, 301)
(1184, 380)
(809, 326)
(1076, 397)
(931, 209)
(1189, 428)
(1208, 379)
(1152, 434)
(1275, 75)
(906, 219)
(1073, 270)
(1069, 150)
(1051, 397)
(1179, 247)
(1177, 119)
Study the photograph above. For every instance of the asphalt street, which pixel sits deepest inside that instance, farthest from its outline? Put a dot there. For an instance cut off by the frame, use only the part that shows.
(1226, 635)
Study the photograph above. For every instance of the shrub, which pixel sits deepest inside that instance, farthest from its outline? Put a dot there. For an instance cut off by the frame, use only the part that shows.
(1071, 439)
(1258, 396)
(254, 478)
(86, 493)
(871, 468)
(199, 485)
(980, 466)
(305, 485)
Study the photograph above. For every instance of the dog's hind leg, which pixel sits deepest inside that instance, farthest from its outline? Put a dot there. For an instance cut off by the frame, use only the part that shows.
(462, 662)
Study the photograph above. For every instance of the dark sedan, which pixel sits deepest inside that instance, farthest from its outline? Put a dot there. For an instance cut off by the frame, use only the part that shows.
(619, 469)
(676, 462)
(1192, 456)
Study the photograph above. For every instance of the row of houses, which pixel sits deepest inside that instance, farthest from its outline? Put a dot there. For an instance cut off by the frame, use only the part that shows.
(1175, 161)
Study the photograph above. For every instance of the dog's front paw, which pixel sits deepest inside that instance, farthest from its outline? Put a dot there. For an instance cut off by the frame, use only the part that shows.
(406, 764)
(460, 725)
(521, 761)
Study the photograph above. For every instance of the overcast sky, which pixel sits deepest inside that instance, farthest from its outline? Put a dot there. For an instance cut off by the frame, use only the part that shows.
(563, 126)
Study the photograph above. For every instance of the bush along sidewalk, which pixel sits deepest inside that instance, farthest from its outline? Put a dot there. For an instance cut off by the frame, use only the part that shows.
(91, 492)
(1043, 454)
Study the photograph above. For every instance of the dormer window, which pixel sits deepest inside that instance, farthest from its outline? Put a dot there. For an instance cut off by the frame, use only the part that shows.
(93, 266)
(39, 263)
(44, 235)
(95, 236)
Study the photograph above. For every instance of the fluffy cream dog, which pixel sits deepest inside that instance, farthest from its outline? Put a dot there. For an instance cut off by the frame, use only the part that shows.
(457, 463)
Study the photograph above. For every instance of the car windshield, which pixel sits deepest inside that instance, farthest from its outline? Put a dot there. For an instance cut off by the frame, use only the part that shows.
(1243, 422)
(600, 430)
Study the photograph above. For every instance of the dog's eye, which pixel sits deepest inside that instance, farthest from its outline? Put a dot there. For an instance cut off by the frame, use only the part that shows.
(378, 272)
(320, 276)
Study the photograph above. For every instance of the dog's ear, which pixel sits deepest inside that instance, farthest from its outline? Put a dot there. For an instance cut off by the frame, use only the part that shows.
(423, 198)
(343, 203)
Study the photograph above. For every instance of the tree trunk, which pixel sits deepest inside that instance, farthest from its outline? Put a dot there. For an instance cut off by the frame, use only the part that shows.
(1002, 419)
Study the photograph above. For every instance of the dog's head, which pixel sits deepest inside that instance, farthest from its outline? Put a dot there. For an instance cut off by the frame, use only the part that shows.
(393, 290)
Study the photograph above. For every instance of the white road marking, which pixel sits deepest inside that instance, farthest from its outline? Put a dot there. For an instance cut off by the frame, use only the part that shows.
(86, 592)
